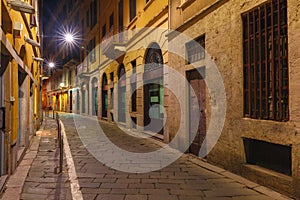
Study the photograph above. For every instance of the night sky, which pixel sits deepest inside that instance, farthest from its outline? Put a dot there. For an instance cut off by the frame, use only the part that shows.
(47, 10)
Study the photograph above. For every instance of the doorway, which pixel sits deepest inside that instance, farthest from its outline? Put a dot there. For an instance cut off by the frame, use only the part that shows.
(122, 94)
(104, 95)
(154, 90)
(71, 101)
(197, 103)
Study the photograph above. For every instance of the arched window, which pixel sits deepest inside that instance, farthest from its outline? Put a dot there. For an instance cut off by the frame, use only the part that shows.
(153, 58)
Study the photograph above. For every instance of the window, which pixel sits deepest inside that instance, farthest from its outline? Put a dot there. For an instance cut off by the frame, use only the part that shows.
(262, 154)
(112, 76)
(111, 21)
(154, 58)
(82, 29)
(33, 22)
(132, 9)
(196, 49)
(133, 87)
(93, 15)
(91, 48)
(103, 31)
(87, 18)
(265, 49)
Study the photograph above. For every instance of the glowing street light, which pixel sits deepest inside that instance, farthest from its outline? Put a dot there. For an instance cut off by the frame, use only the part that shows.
(61, 85)
(51, 64)
(69, 38)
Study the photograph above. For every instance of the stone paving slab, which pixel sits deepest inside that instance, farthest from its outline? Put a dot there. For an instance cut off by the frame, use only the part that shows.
(13, 187)
(41, 180)
(187, 178)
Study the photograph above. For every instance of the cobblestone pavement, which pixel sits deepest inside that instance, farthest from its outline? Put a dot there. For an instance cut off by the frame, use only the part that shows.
(188, 178)
(43, 181)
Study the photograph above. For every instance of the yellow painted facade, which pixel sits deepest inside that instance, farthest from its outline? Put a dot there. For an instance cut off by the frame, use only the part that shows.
(20, 82)
(152, 15)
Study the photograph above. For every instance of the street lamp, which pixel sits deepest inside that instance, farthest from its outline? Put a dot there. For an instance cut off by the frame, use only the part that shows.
(69, 38)
(51, 64)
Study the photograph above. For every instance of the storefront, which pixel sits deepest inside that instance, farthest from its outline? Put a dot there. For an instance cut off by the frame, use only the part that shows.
(153, 90)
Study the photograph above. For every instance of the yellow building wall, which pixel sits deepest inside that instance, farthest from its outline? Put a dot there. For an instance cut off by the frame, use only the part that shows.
(25, 54)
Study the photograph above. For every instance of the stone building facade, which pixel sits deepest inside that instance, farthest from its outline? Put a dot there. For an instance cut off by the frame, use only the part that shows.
(254, 45)
(20, 78)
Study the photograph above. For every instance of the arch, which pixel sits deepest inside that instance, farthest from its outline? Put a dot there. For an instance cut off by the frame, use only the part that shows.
(153, 57)
(154, 90)
(122, 94)
(104, 90)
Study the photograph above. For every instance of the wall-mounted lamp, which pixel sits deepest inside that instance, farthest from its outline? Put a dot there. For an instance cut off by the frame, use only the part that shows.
(21, 6)
(38, 59)
(32, 42)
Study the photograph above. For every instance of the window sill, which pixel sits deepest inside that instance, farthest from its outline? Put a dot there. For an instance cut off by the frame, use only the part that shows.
(265, 120)
(268, 172)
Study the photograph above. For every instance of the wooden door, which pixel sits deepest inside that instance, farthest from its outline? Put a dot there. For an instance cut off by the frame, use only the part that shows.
(197, 82)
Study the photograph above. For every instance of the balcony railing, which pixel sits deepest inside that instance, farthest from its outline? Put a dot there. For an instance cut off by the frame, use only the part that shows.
(82, 68)
(113, 46)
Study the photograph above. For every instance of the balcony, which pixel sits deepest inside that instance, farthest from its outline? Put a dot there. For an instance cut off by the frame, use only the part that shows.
(82, 68)
(70, 60)
(114, 46)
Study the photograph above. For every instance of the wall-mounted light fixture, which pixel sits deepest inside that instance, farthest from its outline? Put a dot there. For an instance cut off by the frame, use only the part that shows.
(61, 85)
(38, 59)
(32, 42)
(21, 6)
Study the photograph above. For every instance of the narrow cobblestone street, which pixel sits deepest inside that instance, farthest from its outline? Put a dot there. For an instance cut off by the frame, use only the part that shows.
(182, 180)
(188, 178)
